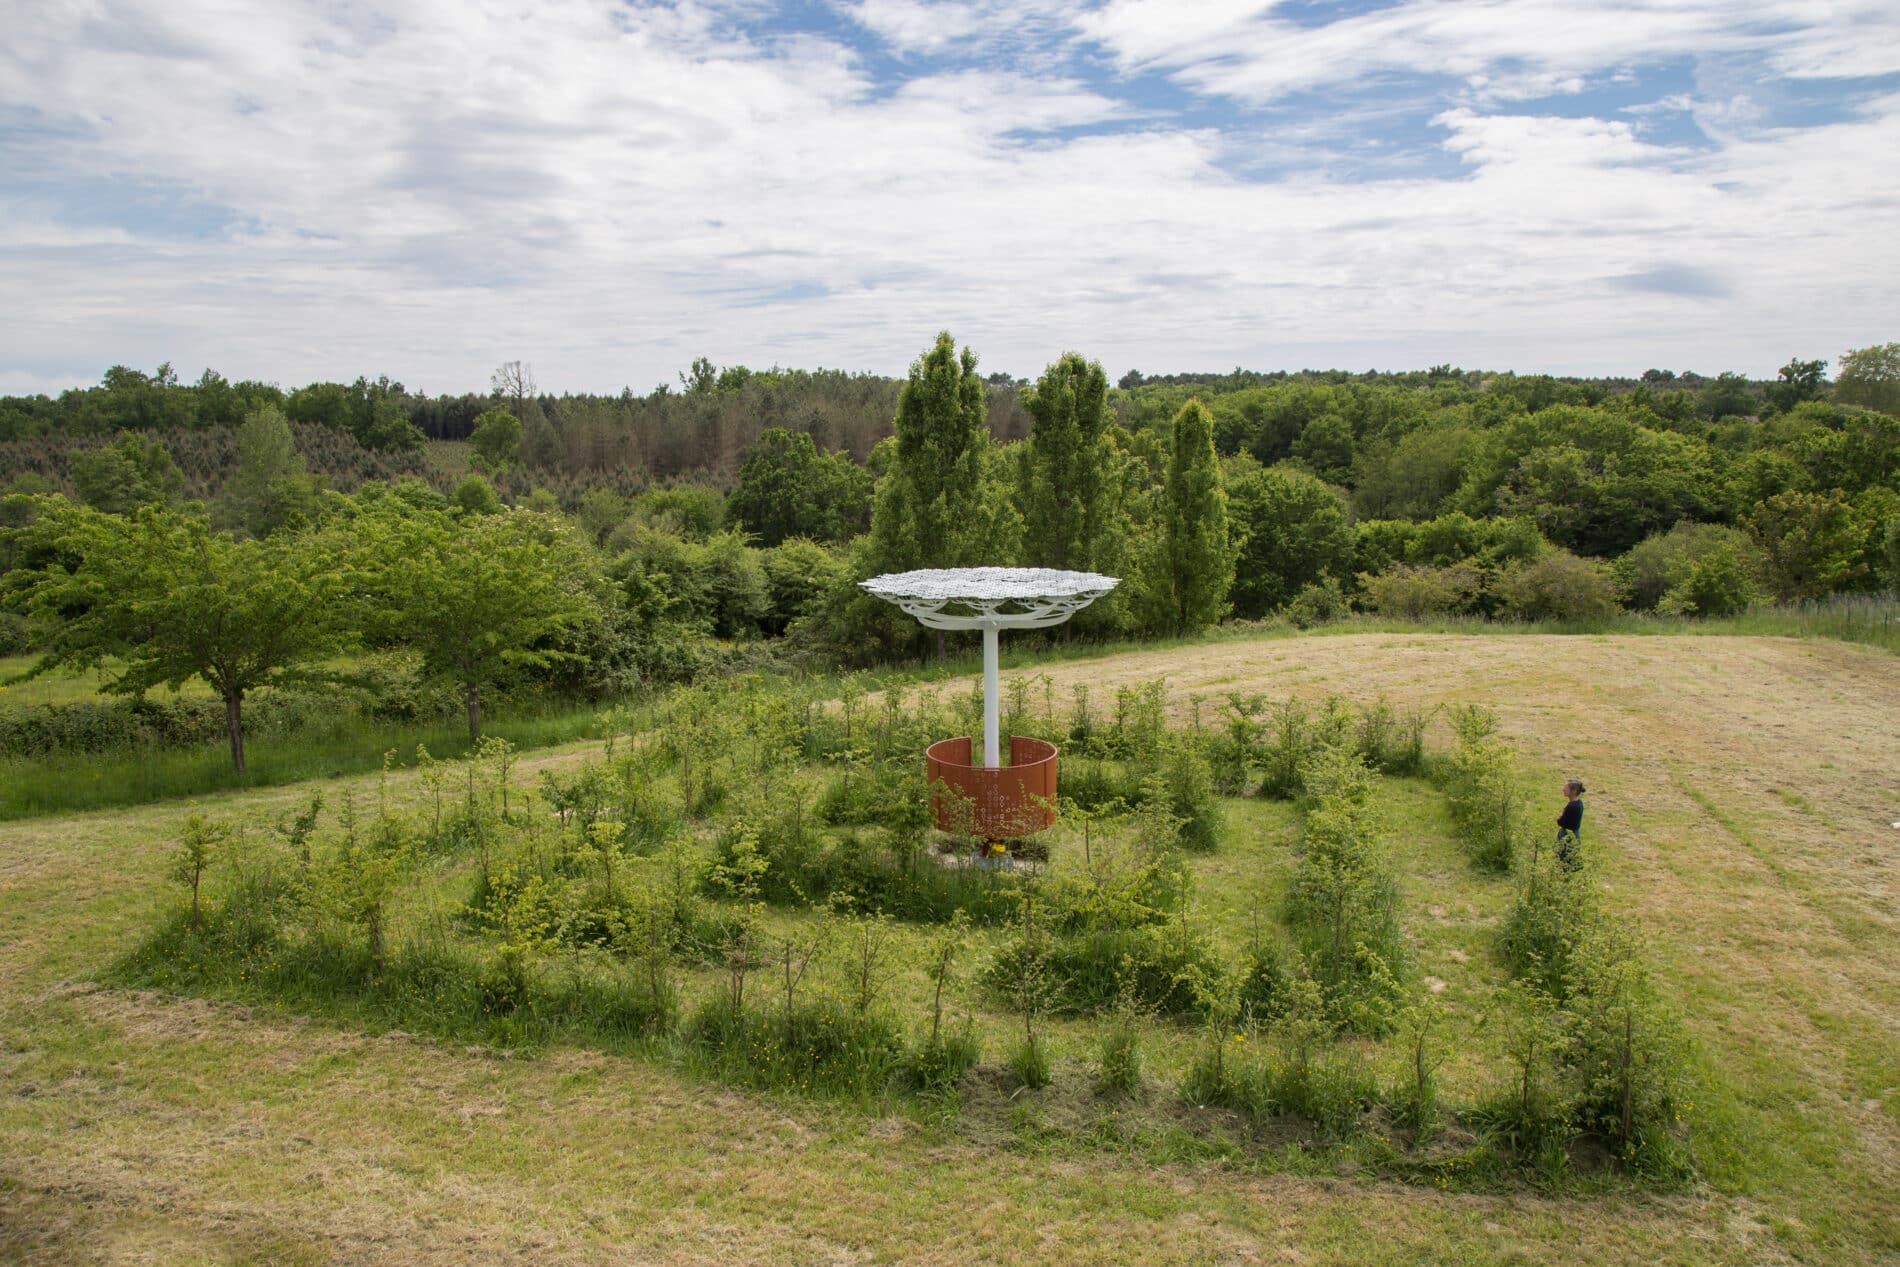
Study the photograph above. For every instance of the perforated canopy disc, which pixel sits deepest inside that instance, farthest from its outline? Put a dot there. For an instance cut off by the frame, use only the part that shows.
(990, 598)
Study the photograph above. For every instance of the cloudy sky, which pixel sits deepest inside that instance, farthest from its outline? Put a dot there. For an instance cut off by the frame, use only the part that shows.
(296, 190)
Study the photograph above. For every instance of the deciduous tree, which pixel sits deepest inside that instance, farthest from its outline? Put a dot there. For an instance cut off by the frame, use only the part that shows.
(478, 597)
(173, 600)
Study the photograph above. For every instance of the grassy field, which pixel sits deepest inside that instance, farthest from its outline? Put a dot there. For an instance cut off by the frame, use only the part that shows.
(1742, 793)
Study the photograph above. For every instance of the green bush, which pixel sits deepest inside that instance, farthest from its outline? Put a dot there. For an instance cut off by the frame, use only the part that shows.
(818, 1047)
(1412, 592)
(1119, 1052)
(1185, 785)
(1554, 913)
(881, 872)
(936, 1063)
(1095, 785)
(1629, 1058)
(1266, 988)
(1319, 603)
(1717, 584)
(1391, 742)
(1094, 971)
(1479, 780)
(1665, 563)
(1343, 902)
(1287, 742)
(1558, 586)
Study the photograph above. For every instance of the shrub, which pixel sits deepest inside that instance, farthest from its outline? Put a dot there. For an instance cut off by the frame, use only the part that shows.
(1093, 971)
(1120, 1056)
(1390, 742)
(1266, 986)
(1665, 562)
(821, 1046)
(1411, 592)
(1185, 785)
(1413, 1095)
(1331, 1089)
(1529, 1111)
(937, 1063)
(1553, 914)
(1717, 584)
(1234, 750)
(1343, 901)
(1096, 785)
(1558, 586)
(1284, 751)
(1320, 603)
(1479, 782)
(1627, 1056)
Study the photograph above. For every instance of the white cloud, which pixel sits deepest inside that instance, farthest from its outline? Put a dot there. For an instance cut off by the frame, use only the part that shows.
(1505, 49)
(609, 190)
(963, 27)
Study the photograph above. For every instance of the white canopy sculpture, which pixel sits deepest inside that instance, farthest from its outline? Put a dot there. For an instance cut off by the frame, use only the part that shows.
(990, 599)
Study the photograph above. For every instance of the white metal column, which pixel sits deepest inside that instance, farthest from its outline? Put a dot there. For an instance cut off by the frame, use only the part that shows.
(992, 754)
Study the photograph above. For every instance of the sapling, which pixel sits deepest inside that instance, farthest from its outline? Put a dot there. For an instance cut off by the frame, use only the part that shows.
(356, 884)
(872, 957)
(1422, 1033)
(1534, 1034)
(501, 754)
(198, 844)
(433, 773)
(1121, 1039)
(297, 830)
(796, 950)
(603, 842)
(1217, 995)
(1030, 989)
(942, 962)
(1081, 717)
(740, 875)
(1304, 1026)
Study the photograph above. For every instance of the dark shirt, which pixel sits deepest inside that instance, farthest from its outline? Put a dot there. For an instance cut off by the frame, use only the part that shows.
(1571, 820)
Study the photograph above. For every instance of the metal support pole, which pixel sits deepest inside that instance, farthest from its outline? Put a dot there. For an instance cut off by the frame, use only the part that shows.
(992, 753)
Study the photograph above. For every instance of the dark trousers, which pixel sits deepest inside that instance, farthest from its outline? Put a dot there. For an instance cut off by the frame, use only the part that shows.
(1569, 851)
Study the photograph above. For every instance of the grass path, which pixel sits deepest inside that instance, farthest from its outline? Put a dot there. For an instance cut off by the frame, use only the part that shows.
(1742, 793)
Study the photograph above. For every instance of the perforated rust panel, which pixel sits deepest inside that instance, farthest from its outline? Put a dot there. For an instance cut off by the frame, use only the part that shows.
(1015, 800)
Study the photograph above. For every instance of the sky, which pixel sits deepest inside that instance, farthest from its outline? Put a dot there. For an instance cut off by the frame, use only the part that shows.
(294, 191)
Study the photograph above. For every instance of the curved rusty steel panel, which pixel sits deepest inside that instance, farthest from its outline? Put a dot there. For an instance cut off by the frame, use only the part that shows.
(997, 804)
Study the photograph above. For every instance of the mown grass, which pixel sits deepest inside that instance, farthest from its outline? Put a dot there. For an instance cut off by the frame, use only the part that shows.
(162, 1129)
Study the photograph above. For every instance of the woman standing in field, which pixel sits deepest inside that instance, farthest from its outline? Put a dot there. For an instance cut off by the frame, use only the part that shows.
(1570, 827)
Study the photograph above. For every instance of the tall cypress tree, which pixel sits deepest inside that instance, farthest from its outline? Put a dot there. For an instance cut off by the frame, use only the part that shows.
(1068, 494)
(1195, 555)
(929, 505)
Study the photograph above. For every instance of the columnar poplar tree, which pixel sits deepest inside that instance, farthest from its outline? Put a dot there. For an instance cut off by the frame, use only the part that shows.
(1192, 564)
(1069, 518)
(929, 511)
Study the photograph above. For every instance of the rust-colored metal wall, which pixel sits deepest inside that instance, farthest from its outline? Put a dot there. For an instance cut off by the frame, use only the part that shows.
(1013, 800)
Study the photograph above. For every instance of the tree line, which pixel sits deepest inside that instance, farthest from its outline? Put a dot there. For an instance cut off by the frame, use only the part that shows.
(1239, 496)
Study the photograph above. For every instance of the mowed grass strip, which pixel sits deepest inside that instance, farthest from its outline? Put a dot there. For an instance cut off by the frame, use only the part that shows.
(135, 1127)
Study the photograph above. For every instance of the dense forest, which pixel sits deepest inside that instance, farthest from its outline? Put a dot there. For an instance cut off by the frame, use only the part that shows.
(241, 533)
